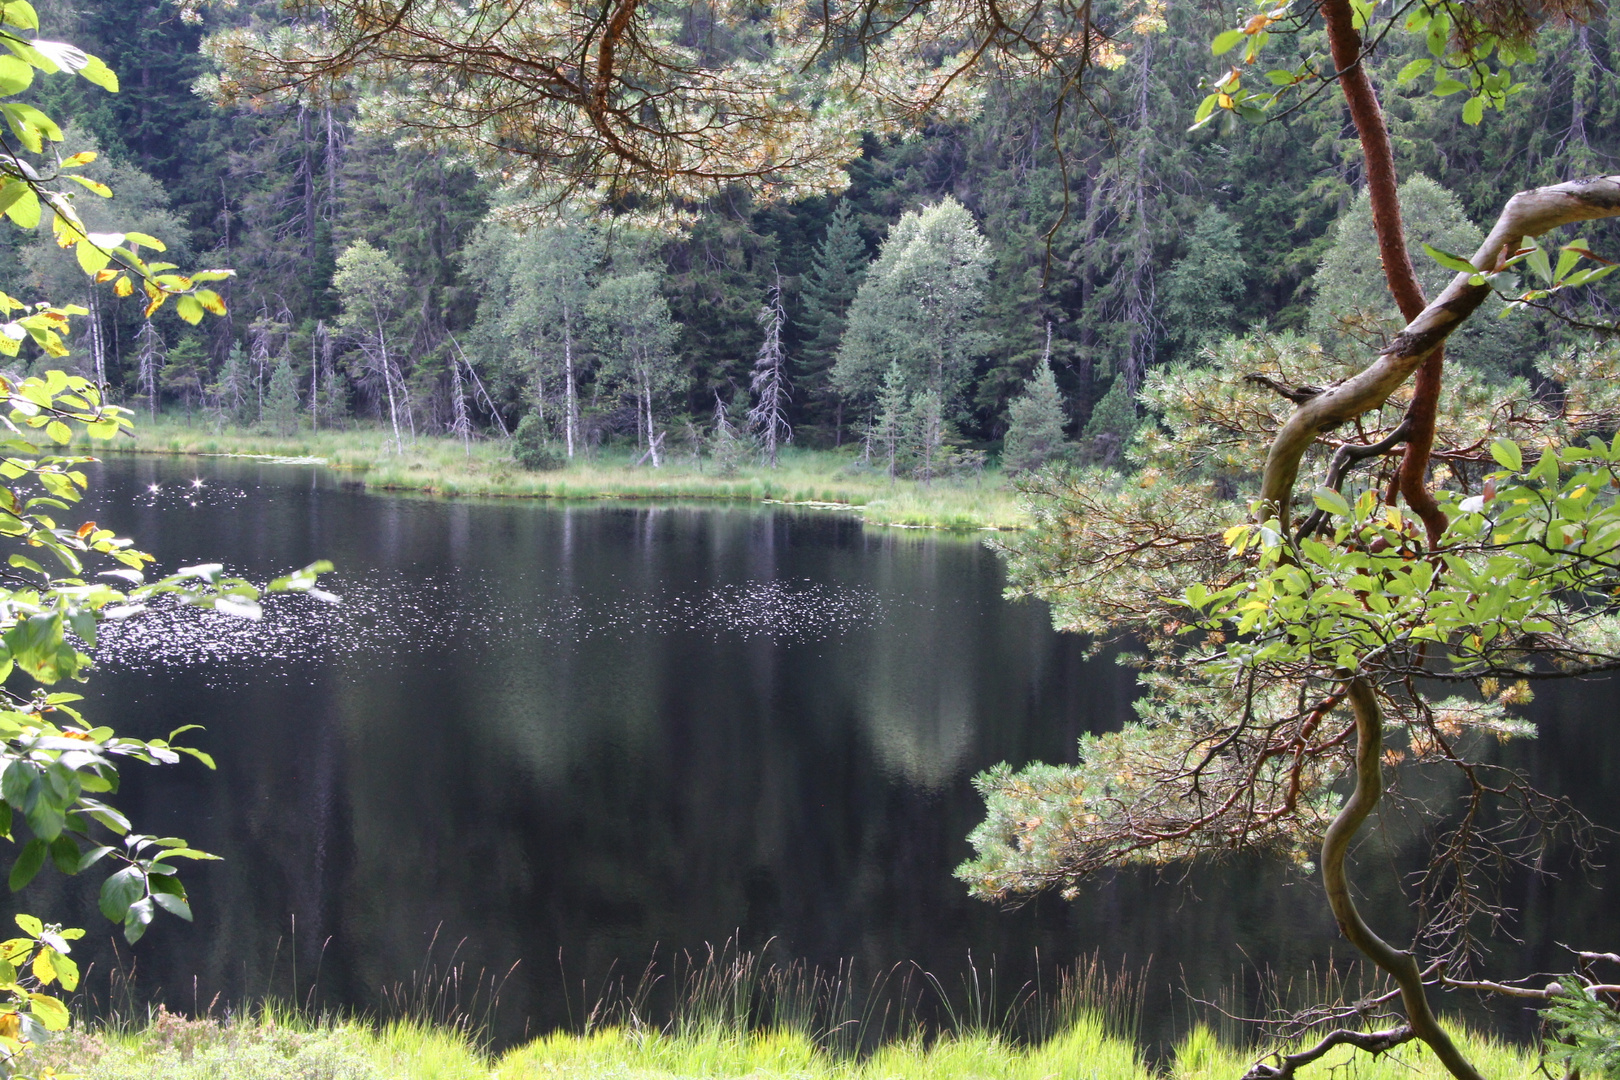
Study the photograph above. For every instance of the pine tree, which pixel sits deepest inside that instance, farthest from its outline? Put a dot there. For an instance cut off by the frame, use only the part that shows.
(768, 417)
(1034, 423)
(281, 400)
(835, 275)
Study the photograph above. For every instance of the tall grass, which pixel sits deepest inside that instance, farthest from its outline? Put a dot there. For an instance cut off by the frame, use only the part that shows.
(728, 1015)
(444, 466)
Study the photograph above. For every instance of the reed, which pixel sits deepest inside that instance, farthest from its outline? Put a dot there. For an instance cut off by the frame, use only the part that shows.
(265, 1047)
(720, 1014)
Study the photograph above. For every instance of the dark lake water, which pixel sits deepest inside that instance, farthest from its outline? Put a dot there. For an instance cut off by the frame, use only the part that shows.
(574, 737)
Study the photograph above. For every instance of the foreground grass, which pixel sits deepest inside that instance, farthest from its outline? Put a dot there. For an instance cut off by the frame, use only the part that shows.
(443, 466)
(276, 1048)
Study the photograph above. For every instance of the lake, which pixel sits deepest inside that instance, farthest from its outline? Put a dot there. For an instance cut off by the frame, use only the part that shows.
(573, 738)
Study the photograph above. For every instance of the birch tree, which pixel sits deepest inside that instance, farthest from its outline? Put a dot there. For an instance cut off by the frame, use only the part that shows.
(635, 335)
(917, 304)
(371, 290)
(531, 311)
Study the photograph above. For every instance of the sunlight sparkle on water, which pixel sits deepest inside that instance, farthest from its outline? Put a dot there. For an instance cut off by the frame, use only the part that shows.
(392, 615)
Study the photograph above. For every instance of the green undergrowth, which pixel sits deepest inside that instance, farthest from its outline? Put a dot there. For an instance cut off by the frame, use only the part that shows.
(274, 1046)
(828, 479)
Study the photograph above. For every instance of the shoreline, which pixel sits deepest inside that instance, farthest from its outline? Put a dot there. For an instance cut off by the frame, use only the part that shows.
(440, 467)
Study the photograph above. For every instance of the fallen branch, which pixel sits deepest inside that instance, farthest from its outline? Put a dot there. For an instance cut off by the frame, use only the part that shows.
(1373, 1042)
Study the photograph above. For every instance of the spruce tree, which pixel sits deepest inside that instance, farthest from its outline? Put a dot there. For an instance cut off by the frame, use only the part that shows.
(1205, 289)
(839, 264)
(1034, 424)
(768, 417)
(281, 402)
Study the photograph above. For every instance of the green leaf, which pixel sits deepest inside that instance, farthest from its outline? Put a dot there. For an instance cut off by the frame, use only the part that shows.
(1507, 454)
(1331, 501)
(1438, 35)
(1446, 86)
(1540, 263)
(23, 210)
(29, 861)
(1416, 68)
(1450, 261)
(15, 783)
(67, 972)
(65, 854)
(120, 891)
(29, 924)
(1473, 110)
(92, 257)
(15, 75)
(100, 74)
(137, 919)
(1225, 42)
(21, 14)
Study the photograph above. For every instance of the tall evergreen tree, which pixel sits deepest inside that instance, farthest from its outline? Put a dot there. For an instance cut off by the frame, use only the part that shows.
(1203, 292)
(835, 275)
(281, 400)
(887, 431)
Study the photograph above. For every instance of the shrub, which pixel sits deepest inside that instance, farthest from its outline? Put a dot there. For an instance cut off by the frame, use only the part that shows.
(532, 448)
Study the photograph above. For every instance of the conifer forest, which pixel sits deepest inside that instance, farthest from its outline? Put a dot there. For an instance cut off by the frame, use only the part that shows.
(384, 282)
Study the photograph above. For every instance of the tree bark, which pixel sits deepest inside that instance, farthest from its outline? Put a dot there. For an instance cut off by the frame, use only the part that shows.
(1397, 963)
(1529, 213)
(1379, 171)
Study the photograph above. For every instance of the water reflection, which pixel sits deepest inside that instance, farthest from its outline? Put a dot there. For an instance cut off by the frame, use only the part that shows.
(587, 732)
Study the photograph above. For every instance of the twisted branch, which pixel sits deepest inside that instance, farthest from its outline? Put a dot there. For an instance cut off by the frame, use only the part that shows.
(1529, 213)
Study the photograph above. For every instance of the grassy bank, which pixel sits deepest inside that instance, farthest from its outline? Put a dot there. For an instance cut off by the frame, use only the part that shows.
(272, 1048)
(442, 466)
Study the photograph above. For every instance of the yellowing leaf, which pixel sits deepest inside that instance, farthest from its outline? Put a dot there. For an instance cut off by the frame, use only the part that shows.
(49, 1011)
(100, 74)
(122, 287)
(92, 185)
(83, 157)
(140, 239)
(188, 308)
(211, 301)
